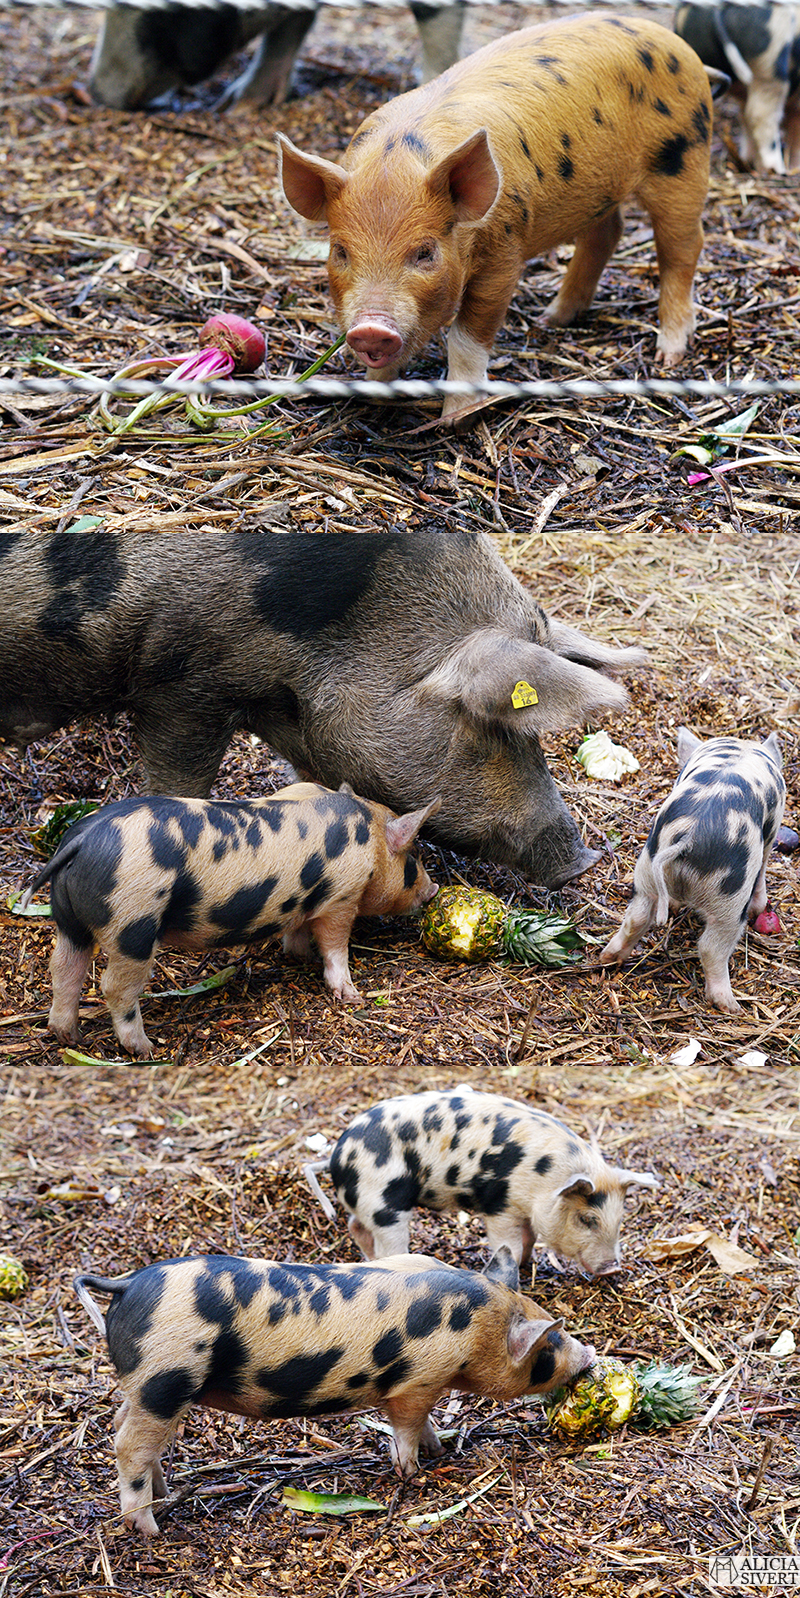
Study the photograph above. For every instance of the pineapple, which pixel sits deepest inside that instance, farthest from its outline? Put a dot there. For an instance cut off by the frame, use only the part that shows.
(470, 924)
(611, 1394)
(13, 1277)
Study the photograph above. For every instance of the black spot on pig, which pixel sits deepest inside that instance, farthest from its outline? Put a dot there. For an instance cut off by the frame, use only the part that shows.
(410, 871)
(503, 1128)
(673, 65)
(130, 1015)
(360, 1379)
(227, 1364)
(245, 1281)
(413, 142)
(336, 839)
(543, 1164)
(7, 542)
(596, 1200)
(130, 1316)
(388, 1348)
(460, 1316)
(167, 1392)
(423, 1317)
(393, 1375)
(432, 1120)
(489, 1185)
(137, 940)
(617, 22)
(701, 122)
(402, 1193)
(330, 588)
(738, 858)
(293, 1382)
(186, 894)
(646, 57)
(543, 1367)
(662, 108)
(452, 1175)
(349, 1286)
(137, 1483)
(407, 1131)
(596, 116)
(273, 816)
(382, 1300)
(319, 1302)
(253, 835)
(524, 146)
(243, 906)
(276, 1312)
(540, 174)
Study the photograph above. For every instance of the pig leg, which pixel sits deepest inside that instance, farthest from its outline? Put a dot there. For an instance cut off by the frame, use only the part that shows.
(267, 76)
(332, 933)
(762, 114)
(181, 754)
(121, 984)
(68, 968)
(385, 1240)
(504, 1231)
(592, 251)
(141, 1439)
(679, 239)
(759, 897)
(409, 1415)
(470, 340)
(715, 948)
(638, 919)
(440, 32)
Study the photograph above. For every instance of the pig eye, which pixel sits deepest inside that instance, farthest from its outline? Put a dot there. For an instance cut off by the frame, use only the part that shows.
(589, 1221)
(425, 254)
(338, 254)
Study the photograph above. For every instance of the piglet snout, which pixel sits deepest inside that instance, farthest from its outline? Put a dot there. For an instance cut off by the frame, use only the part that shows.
(608, 1268)
(376, 340)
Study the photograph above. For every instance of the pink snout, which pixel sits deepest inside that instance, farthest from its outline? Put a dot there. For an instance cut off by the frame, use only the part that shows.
(376, 340)
(608, 1268)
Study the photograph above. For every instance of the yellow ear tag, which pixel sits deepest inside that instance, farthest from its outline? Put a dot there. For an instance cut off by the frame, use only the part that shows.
(524, 695)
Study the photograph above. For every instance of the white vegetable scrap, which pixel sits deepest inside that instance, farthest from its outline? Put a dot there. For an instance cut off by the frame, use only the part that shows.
(603, 759)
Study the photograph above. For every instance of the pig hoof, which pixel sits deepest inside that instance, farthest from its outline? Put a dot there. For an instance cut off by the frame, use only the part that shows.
(144, 1521)
(429, 1441)
(346, 994)
(64, 1034)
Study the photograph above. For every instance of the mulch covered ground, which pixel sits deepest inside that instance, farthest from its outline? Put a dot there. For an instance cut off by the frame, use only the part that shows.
(122, 233)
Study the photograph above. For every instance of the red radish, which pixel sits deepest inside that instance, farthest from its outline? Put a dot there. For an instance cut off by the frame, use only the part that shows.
(768, 923)
(236, 338)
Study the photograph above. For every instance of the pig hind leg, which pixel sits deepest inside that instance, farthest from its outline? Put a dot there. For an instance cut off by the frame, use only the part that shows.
(141, 1439)
(638, 919)
(715, 947)
(593, 249)
(675, 214)
(440, 33)
(68, 968)
(121, 984)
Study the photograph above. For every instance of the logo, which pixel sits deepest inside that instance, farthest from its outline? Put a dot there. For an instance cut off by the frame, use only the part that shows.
(742, 1571)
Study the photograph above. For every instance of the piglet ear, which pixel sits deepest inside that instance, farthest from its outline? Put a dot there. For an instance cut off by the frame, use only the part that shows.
(580, 1184)
(470, 176)
(524, 1337)
(771, 746)
(687, 743)
(309, 182)
(628, 1179)
(503, 1268)
(402, 830)
(344, 787)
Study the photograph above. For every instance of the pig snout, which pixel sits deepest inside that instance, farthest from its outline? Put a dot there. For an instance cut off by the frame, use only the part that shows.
(608, 1268)
(376, 340)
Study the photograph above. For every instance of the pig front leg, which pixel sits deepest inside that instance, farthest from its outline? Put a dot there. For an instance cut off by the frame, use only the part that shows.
(413, 1431)
(472, 335)
(332, 935)
(761, 116)
(592, 251)
(440, 33)
(507, 1231)
(68, 969)
(121, 984)
(141, 1439)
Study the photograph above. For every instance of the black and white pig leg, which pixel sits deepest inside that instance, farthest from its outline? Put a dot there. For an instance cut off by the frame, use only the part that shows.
(141, 1439)
(68, 969)
(413, 1430)
(638, 919)
(122, 983)
(715, 947)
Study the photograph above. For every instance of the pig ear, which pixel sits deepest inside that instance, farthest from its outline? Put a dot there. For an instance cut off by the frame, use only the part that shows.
(687, 743)
(309, 182)
(469, 176)
(494, 676)
(402, 830)
(524, 1337)
(580, 1184)
(772, 747)
(628, 1179)
(344, 787)
(503, 1268)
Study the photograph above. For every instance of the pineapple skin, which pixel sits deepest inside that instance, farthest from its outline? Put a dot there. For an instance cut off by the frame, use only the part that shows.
(463, 924)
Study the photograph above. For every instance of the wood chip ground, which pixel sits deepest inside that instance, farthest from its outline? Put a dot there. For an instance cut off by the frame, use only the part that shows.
(120, 234)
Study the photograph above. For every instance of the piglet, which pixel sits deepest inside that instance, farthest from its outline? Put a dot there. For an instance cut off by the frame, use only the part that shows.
(534, 141)
(528, 1176)
(708, 850)
(193, 873)
(263, 1339)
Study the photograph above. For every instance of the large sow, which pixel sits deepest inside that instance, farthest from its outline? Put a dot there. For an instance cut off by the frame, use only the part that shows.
(386, 660)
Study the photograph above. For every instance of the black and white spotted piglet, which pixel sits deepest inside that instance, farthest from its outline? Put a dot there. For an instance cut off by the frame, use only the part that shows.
(708, 850)
(194, 873)
(263, 1339)
(528, 1175)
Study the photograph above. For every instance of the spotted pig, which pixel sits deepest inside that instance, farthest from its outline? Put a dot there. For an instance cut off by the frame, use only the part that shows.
(528, 1176)
(142, 54)
(534, 141)
(388, 660)
(264, 1339)
(708, 850)
(759, 48)
(190, 874)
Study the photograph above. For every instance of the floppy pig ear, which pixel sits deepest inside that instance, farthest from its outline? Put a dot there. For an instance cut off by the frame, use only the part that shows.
(402, 830)
(628, 1179)
(495, 676)
(309, 182)
(524, 1337)
(503, 1268)
(580, 1184)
